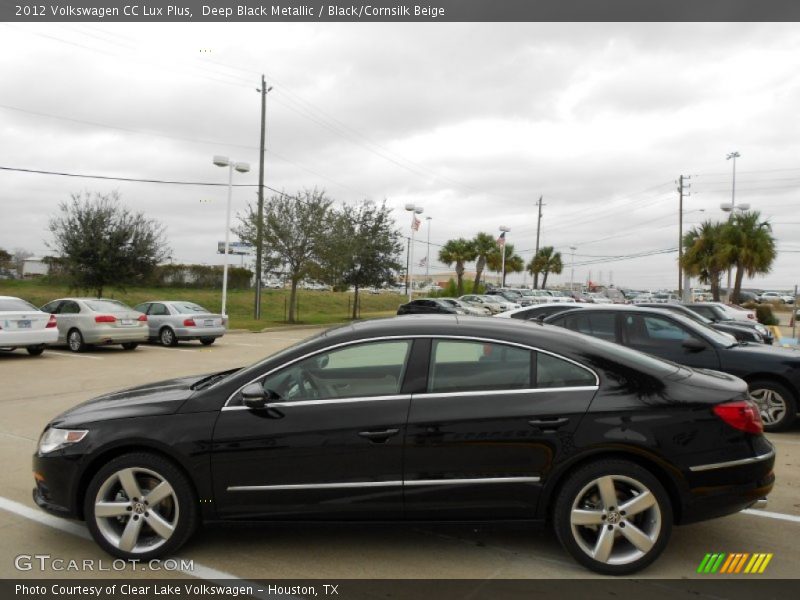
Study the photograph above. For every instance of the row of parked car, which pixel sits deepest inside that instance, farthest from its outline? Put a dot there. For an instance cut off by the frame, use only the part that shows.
(81, 322)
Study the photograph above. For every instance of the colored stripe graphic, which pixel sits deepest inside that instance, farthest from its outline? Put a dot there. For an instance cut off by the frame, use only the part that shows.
(727, 564)
(741, 562)
(703, 563)
(734, 563)
(718, 562)
(766, 562)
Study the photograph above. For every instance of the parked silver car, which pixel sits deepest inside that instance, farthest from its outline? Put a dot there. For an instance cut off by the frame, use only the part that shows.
(494, 307)
(469, 309)
(86, 322)
(172, 321)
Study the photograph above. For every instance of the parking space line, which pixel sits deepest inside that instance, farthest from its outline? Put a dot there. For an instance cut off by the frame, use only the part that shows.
(171, 349)
(199, 571)
(73, 355)
(772, 515)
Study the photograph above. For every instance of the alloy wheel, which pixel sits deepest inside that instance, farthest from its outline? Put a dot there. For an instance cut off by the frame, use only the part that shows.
(615, 520)
(167, 337)
(75, 341)
(136, 510)
(771, 405)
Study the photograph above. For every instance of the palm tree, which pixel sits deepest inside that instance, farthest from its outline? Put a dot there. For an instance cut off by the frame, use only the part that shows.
(748, 245)
(458, 251)
(703, 256)
(483, 244)
(546, 261)
(514, 262)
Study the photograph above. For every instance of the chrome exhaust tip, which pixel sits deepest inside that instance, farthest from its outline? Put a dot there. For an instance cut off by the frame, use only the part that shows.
(760, 503)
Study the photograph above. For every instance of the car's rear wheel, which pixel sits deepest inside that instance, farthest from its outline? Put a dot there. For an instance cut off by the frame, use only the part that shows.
(775, 402)
(35, 350)
(167, 337)
(141, 506)
(613, 516)
(130, 345)
(207, 341)
(75, 341)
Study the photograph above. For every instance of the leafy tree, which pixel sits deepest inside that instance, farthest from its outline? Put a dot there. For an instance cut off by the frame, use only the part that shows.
(362, 247)
(6, 260)
(483, 245)
(295, 230)
(102, 243)
(513, 264)
(702, 254)
(546, 261)
(748, 245)
(458, 252)
(20, 255)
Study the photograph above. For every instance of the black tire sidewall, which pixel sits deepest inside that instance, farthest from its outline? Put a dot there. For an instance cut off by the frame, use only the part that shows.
(82, 346)
(35, 350)
(788, 398)
(187, 502)
(174, 339)
(207, 341)
(576, 481)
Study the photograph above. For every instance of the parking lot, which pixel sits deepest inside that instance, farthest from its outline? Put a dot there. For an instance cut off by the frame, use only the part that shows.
(35, 389)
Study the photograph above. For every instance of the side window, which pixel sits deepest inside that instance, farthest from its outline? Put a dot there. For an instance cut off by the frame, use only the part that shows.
(554, 372)
(69, 308)
(597, 324)
(158, 310)
(51, 307)
(360, 370)
(654, 332)
(705, 311)
(142, 308)
(464, 366)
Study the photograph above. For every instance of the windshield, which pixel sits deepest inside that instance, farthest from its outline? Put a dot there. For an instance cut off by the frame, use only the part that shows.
(14, 304)
(106, 305)
(491, 299)
(188, 307)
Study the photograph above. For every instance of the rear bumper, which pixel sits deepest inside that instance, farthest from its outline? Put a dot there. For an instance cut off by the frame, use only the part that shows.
(32, 337)
(196, 333)
(116, 336)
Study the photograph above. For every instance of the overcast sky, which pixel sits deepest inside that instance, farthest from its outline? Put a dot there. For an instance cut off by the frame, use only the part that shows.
(472, 121)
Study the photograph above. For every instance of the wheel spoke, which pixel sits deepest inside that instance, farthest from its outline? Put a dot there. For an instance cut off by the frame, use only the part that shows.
(608, 493)
(127, 479)
(130, 535)
(111, 509)
(638, 503)
(586, 517)
(159, 525)
(604, 545)
(160, 492)
(637, 537)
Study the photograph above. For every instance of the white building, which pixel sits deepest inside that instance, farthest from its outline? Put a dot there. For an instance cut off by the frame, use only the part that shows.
(34, 267)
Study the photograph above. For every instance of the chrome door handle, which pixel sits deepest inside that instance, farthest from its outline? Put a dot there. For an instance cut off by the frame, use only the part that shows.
(379, 436)
(548, 423)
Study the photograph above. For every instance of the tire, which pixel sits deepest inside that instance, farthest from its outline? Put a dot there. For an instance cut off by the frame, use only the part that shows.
(130, 345)
(775, 402)
(167, 337)
(207, 341)
(175, 514)
(580, 498)
(75, 340)
(35, 350)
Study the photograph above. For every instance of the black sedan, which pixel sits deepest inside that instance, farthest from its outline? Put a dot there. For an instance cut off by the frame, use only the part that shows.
(716, 314)
(772, 373)
(428, 306)
(417, 419)
(742, 331)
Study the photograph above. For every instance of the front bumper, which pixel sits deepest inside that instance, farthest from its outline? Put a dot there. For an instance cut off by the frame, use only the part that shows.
(57, 477)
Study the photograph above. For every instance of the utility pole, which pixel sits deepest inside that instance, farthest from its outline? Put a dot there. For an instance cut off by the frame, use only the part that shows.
(538, 230)
(682, 187)
(260, 222)
(408, 262)
(733, 156)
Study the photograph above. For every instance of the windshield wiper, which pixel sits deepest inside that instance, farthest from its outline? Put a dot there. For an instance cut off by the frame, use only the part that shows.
(211, 379)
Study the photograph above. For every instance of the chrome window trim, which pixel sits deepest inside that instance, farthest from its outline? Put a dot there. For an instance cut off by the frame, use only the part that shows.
(372, 484)
(583, 388)
(330, 401)
(733, 463)
(414, 337)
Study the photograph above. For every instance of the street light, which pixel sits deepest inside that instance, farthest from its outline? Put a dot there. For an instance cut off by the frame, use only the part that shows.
(224, 161)
(572, 269)
(504, 230)
(414, 210)
(731, 206)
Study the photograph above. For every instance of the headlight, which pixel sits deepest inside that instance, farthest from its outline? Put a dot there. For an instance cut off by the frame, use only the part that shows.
(762, 330)
(53, 439)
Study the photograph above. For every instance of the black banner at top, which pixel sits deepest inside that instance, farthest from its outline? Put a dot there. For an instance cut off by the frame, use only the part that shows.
(399, 10)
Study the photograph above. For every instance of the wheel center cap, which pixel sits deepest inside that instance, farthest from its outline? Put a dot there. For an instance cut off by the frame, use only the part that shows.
(613, 517)
(138, 508)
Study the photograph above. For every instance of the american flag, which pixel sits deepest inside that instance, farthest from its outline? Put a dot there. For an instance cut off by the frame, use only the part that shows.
(424, 261)
(415, 222)
(501, 241)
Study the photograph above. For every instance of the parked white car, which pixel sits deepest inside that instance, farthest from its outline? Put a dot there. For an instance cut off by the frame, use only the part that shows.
(22, 325)
(735, 312)
(776, 297)
(598, 298)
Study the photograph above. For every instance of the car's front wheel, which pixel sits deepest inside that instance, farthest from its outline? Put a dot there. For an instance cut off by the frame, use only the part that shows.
(613, 516)
(140, 506)
(775, 402)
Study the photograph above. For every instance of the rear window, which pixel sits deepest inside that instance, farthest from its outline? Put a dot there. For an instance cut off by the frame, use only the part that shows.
(102, 305)
(12, 304)
(188, 307)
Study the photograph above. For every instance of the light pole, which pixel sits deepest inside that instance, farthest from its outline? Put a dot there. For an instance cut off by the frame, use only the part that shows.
(224, 161)
(732, 207)
(572, 269)
(503, 231)
(428, 255)
(414, 210)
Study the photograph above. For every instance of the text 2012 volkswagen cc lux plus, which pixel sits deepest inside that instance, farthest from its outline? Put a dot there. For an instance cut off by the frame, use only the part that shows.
(417, 418)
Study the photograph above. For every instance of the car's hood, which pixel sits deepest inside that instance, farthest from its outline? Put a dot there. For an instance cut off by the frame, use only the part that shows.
(766, 352)
(160, 398)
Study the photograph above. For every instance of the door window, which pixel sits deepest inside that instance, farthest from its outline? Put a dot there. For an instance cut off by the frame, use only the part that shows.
(69, 307)
(360, 370)
(51, 307)
(597, 324)
(654, 332)
(159, 310)
(142, 308)
(554, 372)
(463, 366)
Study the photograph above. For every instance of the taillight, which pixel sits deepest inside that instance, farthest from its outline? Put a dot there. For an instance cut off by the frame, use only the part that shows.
(751, 316)
(105, 319)
(189, 322)
(52, 322)
(741, 415)
(142, 318)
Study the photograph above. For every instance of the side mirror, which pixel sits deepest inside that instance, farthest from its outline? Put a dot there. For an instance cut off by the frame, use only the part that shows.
(253, 396)
(692, 344)
(322, 361)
